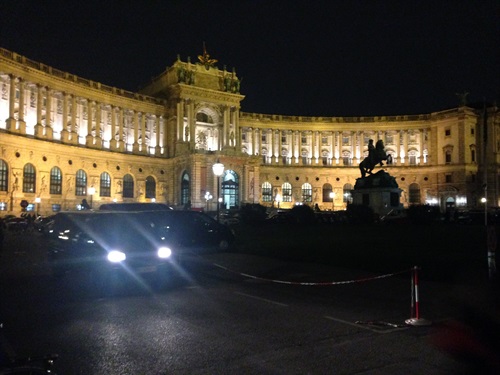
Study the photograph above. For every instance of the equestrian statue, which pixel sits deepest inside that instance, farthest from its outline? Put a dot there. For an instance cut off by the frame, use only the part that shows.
(376, 154)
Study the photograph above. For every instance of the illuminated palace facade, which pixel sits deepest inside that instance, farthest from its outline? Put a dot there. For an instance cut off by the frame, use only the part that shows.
(65, 138)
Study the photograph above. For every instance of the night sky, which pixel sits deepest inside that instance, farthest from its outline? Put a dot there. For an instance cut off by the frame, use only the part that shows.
(310, 58)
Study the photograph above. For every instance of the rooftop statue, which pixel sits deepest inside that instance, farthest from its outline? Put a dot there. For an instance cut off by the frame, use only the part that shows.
(376, 154)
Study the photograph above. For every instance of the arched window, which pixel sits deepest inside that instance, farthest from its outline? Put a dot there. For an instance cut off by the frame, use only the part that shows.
(414, 194)
(128, 186)
(150, 187)
(267, 192)
(4, 176)
(306, 193)
(29, 179)
(105, 185)
(230, 188)
(185, 189)
(203, 117)
(347, 193)
(286, 189)
(81, 183)
(55, 181)
(327, 193)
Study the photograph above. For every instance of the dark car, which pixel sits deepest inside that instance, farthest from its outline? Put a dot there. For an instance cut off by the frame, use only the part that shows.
(191, 230)
(16, 224)
(109, 246)
(135, 206)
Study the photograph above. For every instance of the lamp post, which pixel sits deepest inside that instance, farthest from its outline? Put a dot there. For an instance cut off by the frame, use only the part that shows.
(208, 197)
(218, 169)
(332, 197)
(278, 199)
(37, 201)
(91, 193)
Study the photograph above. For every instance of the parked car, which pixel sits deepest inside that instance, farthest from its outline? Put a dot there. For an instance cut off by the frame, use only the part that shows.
(16, 224)
(110, 246)
(41, 223)
(135, 206)
(192, 230)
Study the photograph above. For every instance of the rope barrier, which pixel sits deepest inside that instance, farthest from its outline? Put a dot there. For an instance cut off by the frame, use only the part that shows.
(329, 283)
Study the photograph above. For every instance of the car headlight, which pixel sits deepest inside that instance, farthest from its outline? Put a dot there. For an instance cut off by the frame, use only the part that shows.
(116, 256)
(164, 252)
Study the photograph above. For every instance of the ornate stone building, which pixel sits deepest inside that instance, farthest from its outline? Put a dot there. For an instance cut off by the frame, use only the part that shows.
(64, 138)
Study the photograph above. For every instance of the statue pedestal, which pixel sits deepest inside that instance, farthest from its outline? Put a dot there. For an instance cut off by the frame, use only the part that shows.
(379, 191)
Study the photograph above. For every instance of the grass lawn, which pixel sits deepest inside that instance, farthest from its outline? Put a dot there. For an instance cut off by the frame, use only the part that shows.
(443, 251)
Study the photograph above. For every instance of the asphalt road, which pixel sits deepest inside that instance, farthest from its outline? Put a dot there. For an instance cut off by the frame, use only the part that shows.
(234, 314)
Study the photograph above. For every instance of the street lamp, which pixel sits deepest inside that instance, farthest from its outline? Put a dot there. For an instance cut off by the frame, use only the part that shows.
(91, 193)
(208, 197)
(37, 201)
(278, 199)
(218, 169)
(332, 197)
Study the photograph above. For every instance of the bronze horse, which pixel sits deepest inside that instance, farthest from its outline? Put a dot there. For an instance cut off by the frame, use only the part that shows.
(375, 157)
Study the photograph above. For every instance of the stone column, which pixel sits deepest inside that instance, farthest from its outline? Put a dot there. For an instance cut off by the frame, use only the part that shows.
(252, 141)
(98, 117)
(192, 125)
(237, 130)
(74, 129)
(421, 146)
(135, 148)
(405, 146)
(314, 159)
(144, 146)
(180, 120)
(113, 144)
(89, 139)
(121, 118)
(22, 98)
(10, 123)
(158, 135)
(39, 104)
(397, 143)
(64, 131)
(49, 132)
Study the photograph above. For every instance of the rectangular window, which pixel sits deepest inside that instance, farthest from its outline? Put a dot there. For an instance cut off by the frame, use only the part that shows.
(346, 140)
(264, 138)
(324, 140)
(448, 158)
(448, 178)
(447, 132)
(283, 138)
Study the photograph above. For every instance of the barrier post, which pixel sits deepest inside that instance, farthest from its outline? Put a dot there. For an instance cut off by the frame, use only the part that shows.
(415, 319)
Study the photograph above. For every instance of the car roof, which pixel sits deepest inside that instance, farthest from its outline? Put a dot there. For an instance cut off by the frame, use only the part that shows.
(135, 206)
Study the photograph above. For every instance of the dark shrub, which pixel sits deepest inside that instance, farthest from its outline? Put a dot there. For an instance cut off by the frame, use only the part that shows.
(423, 214)
(359, 214)
(303, 214)
(253, 213)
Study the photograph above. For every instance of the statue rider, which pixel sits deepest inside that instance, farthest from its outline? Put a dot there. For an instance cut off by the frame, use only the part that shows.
(371, 152)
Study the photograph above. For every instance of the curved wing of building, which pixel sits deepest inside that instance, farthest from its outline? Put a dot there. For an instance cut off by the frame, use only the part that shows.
(68, 142)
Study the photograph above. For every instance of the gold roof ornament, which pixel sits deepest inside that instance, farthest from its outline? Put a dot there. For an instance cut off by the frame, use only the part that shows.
(205, 58)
